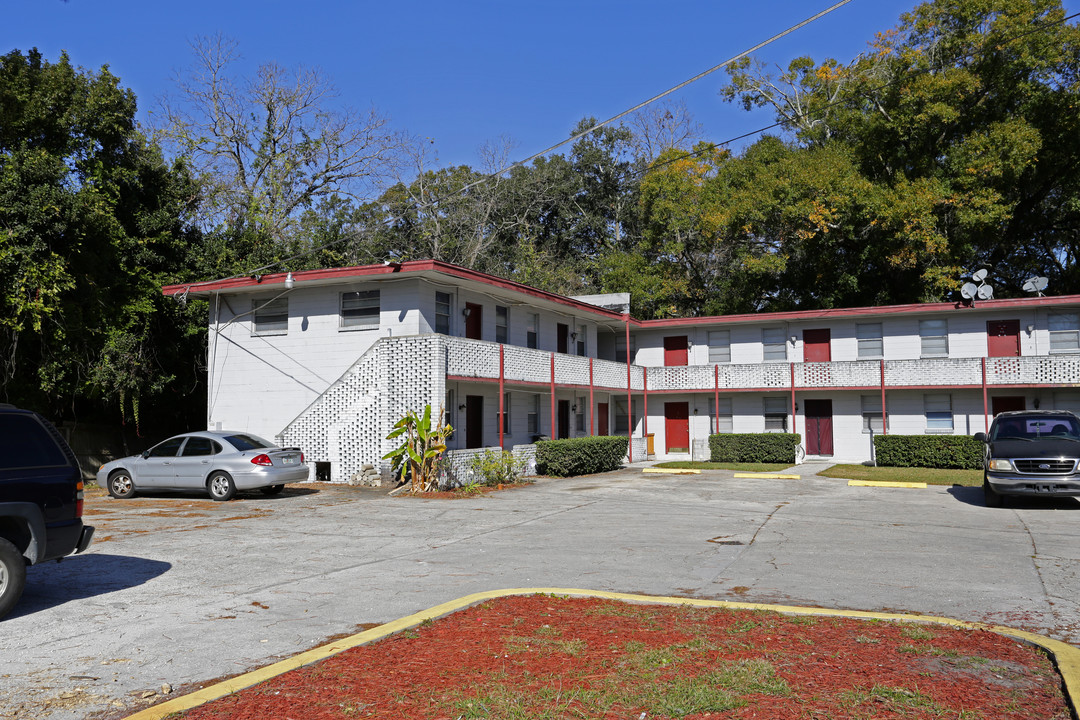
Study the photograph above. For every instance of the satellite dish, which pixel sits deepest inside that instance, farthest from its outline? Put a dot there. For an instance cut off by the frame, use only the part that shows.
(969, 291)
(978, 275)
(1036, 285)
(985, 292)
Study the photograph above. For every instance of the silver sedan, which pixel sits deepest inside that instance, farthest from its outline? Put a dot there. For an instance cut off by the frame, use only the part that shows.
(217, 462)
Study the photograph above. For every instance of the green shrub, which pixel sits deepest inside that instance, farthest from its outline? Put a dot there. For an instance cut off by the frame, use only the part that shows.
(929, 451)
(754, 447)
(497, 467)
(580, 456)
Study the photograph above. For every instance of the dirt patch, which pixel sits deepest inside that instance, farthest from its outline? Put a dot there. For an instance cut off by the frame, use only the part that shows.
(543, 656)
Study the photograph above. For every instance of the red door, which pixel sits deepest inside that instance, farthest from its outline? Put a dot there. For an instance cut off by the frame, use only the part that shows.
(601, 419)
(816, 345)
(474, 421)
(474, 322)
(563, 332)
(677, 426)
(1003, 338)
(1007, 403)
(819, 440)
(675, 350)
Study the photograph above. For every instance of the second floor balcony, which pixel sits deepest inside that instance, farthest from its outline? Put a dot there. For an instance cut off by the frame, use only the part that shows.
(481, 360)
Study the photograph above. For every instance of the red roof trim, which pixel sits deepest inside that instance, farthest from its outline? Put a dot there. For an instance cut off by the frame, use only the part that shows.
(834, 313)
(275, 280)
(413, 266)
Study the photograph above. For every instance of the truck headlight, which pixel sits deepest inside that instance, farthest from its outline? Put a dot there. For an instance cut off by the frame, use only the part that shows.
(1000, 465)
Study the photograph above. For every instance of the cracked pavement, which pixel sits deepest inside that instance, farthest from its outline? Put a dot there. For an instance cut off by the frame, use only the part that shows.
(177, 592)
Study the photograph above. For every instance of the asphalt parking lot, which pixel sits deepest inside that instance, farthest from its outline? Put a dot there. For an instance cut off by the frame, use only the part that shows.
(179, 591)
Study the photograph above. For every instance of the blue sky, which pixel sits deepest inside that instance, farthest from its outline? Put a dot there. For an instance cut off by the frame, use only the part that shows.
(468, 72)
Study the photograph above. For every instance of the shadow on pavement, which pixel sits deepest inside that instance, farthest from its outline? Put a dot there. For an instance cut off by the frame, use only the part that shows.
(83, 576)
(974, 496)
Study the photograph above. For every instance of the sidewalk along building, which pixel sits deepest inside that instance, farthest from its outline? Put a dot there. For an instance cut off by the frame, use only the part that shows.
(328, 360)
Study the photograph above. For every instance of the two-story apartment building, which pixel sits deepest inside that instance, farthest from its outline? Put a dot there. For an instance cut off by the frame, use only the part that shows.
(329, 359)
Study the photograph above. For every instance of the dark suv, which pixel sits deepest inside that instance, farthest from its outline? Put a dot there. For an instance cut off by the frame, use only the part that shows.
(41, 499)
(1031, 452)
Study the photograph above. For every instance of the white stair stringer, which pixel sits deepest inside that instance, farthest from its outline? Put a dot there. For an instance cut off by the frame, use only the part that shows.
(347, 425)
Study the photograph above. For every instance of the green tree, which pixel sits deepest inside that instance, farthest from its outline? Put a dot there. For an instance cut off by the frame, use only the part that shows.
(268, 149)
(92, 223)
(963, 120)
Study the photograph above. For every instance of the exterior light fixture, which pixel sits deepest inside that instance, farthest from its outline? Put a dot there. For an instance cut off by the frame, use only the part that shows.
(466, 311)
(289, 282)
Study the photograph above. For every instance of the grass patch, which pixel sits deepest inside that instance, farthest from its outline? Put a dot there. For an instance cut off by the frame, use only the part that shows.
(930, 476)
(896, 699)
(737, 466)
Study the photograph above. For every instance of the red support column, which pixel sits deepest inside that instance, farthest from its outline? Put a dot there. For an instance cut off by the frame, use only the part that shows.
(884, 423)
(986, 413)
(629, 398)
(502, 395)
(645, 414)
(553, 435)
(716, 398)
(792, 397)
(592, 405)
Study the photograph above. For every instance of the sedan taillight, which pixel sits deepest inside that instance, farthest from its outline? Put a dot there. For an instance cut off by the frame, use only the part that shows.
(79, 499)
(263, 459)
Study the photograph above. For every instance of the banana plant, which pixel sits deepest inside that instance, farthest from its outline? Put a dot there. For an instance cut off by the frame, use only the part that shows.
(422, 445)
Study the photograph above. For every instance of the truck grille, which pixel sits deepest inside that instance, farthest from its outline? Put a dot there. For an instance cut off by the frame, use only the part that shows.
(1045, 466)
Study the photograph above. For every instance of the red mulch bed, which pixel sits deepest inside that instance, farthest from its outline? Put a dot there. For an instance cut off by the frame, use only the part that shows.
(550, 657)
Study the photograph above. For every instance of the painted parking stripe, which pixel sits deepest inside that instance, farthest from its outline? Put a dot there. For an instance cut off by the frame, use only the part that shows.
(883, 483)
(768, 476)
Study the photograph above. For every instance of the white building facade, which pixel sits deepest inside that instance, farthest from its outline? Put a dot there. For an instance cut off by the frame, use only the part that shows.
(328, 360)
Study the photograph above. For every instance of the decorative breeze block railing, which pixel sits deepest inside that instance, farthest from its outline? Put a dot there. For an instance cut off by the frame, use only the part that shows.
(933, 371)
(860, 373)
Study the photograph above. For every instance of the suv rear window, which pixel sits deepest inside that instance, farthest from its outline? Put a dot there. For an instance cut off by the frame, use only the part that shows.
(25, 443)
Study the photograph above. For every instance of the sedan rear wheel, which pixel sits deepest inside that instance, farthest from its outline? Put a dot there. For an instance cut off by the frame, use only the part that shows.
(121, 485)
(221, 485)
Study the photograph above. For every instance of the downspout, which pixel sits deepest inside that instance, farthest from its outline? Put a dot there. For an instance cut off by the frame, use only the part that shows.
(210, 366)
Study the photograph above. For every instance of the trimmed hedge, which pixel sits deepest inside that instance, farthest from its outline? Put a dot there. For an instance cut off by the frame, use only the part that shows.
(754, 447)
(930, 451)
(580, 456)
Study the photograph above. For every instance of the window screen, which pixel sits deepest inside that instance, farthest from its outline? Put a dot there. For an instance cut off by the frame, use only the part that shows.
(360, 309)
(270, 318)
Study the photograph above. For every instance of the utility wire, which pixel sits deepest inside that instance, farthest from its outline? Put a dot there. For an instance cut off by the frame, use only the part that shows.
(491, 176)
(690, 154)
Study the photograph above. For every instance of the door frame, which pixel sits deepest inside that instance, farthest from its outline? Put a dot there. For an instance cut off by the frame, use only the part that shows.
(818, 414)
(676, 418)
(474, 421)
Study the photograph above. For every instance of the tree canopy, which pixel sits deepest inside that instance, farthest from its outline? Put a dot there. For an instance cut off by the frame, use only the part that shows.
(92, 223)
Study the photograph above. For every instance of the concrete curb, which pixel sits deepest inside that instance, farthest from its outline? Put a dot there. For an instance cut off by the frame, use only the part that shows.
(1065, 656)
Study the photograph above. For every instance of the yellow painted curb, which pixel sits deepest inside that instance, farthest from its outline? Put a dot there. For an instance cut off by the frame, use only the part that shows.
(882, 483)
(671, 471)
(1065, 656)
(768, 476)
